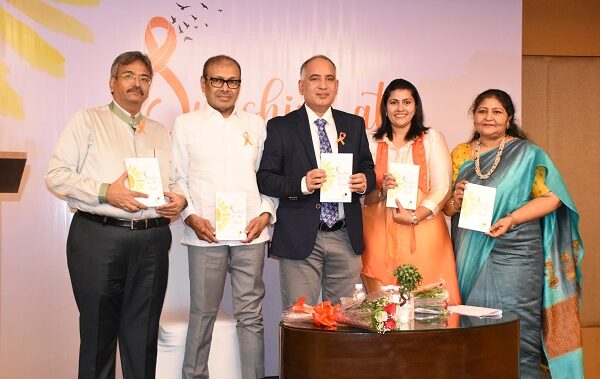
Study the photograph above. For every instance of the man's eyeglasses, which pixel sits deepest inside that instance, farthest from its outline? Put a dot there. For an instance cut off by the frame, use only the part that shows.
(129, 77)
(218, 82)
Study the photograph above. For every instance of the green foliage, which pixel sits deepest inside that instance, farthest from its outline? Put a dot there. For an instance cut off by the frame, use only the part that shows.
(375, 304)
(432, 293)
(407, 277)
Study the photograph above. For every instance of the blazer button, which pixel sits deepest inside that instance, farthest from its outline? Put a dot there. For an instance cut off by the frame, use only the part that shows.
(318, 206)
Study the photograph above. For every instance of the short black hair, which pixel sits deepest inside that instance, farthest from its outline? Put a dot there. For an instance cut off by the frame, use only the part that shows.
(218, 59)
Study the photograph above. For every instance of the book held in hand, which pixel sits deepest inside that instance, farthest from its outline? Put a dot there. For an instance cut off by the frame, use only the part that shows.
(477, 207)
(143, 175)
(230, 217)
(407, 179)
(339, 169)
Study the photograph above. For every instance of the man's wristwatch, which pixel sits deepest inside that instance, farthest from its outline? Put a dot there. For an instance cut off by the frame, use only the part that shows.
(415, 219)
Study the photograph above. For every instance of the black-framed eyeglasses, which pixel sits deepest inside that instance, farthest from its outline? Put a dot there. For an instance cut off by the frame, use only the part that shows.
(129, 77)
(218, 82)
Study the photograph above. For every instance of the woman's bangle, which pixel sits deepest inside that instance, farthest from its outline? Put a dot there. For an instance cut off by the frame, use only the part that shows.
(514, 221)
(453, 205)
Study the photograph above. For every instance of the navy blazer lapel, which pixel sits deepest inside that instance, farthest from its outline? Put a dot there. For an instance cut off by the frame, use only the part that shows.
(305, 136)
(341, 127)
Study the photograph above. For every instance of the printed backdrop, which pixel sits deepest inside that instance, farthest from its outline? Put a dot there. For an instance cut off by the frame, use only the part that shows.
(55, 58)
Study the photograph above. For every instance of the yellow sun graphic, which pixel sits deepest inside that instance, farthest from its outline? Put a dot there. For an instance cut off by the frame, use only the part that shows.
(223, 214)
(471, 203)
(136, 178)
(34, 49)
(331, 176)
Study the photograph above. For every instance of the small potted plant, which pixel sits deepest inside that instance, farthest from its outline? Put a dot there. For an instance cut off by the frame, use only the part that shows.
(408, 279)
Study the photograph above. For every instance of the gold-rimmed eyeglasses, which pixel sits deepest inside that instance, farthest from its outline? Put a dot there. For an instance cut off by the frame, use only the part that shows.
(129, 77)
(218, 82)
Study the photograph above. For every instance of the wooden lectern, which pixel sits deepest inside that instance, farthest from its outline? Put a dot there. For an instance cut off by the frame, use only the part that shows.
(12, 165)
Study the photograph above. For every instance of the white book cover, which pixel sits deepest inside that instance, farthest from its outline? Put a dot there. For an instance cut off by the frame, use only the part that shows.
(339, 169)
(143, 175)
(230, 215)
(477, 207)
(407, 179)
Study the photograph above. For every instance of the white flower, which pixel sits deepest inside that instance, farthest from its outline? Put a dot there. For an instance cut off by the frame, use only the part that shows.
(381, 316)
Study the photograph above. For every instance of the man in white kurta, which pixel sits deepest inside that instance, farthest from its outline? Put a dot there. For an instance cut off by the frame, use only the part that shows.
(218, 149)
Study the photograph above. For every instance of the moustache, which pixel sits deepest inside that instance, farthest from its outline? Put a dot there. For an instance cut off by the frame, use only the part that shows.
(136, 89)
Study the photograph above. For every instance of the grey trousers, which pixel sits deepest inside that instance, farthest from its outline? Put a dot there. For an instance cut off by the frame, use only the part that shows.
(332, 267)
(208, 269)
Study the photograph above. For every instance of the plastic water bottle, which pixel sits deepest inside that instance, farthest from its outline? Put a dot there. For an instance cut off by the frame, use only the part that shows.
(359, 293)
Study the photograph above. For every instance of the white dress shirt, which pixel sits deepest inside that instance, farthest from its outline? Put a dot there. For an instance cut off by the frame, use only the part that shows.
(331, 135)
(439, 167)
(212, 153)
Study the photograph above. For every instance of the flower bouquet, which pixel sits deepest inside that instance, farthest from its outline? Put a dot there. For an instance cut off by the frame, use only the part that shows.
(390, 308)
(382, 311)
(431, 299)
(322, 314)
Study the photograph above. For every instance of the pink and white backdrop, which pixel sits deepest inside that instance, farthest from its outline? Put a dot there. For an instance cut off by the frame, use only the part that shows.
(55, 57)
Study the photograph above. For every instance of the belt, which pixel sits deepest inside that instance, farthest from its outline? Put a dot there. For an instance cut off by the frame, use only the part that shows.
(337, 226)
(135, 224)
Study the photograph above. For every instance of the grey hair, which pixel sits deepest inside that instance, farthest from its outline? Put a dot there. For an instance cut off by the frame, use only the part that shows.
(128, 58)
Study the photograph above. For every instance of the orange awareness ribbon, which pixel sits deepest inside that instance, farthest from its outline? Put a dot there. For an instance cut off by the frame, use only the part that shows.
(341, 138)
(141, 127)
(247, 139)
(159, 55)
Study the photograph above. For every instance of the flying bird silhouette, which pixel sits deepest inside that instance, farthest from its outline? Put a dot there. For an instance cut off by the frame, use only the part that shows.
(194, 17)
(182, 7)
(173, 20)
(188, 39)
(204, 6)
(220, 10)
(186, 24)
(196, 26)
(205, 24)
(180, 31)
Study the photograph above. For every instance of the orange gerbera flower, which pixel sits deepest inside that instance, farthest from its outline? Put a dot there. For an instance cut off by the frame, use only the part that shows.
(324, 314)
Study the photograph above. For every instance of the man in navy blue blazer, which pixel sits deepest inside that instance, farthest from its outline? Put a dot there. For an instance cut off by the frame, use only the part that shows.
(318, 244)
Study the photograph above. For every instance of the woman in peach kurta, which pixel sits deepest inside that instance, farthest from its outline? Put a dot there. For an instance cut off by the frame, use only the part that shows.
(395, 236)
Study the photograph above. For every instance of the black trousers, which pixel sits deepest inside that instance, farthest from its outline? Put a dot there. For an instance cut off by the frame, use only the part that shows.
(119, 279)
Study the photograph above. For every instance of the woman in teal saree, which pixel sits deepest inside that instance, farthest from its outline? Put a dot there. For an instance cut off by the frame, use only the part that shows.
(529, 263)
